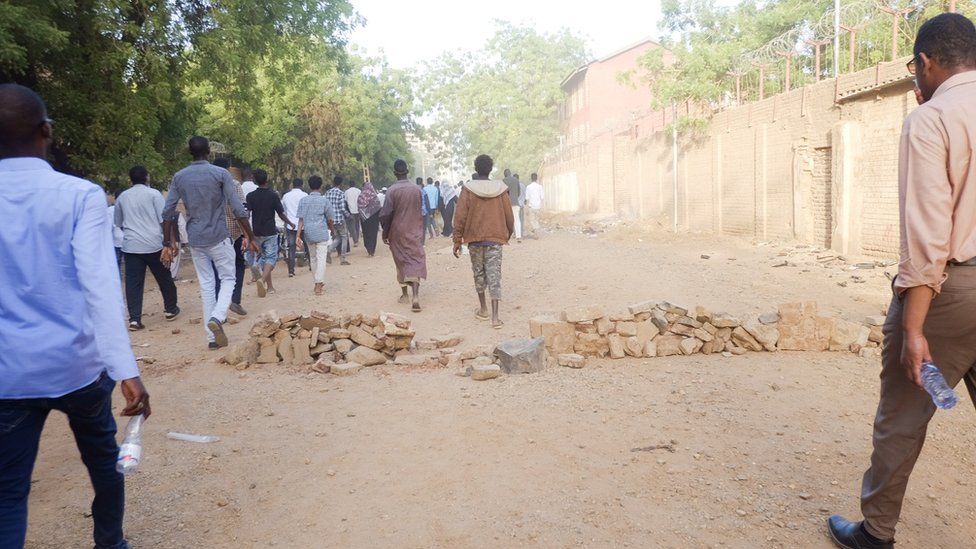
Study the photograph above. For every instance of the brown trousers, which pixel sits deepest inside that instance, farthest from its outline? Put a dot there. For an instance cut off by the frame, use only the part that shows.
(904, 410)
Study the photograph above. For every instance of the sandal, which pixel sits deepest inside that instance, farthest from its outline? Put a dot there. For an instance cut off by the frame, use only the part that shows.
(479, 316)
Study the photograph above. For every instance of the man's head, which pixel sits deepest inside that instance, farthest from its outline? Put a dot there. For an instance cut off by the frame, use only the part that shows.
(437, 183)
(515, 175)
(296, 183)
(508, 172)
(337, 181)
(261, 178)
(483, 166)
(247, 174)
(138, 175)
(199, 147)
(535, 177)
(222, 162)
(315, 183)
(400, 168)
(430, 180)
(25, 129)
(945, 46)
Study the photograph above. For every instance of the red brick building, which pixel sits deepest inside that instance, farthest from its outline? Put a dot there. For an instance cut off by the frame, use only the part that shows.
(599, 104)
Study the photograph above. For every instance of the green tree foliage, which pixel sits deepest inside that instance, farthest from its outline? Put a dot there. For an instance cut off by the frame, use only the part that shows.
(502, 99)
(129, 80)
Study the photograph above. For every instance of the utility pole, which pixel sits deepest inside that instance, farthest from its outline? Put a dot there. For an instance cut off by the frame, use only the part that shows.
(836, 38)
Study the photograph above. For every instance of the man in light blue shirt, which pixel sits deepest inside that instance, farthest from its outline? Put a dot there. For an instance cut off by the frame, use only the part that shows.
(139, 212)
(63, 342)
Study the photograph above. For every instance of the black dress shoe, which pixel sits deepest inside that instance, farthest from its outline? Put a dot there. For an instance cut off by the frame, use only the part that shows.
(851, 535)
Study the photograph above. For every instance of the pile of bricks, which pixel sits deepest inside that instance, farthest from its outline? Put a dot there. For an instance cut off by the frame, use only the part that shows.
(343, 345)
(653, 329)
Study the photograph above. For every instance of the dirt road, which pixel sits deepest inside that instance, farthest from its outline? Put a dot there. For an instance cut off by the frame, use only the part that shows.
(755, 451)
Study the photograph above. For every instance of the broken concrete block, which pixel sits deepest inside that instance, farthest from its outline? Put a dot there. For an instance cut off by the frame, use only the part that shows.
(724, 320)
(522, 356)
(300, 352)
(743, 339)
(366, 356)
(643, 307)
(646, 331)
(347, 369)
(769, 318)
(650, 349)
(361, 337)
(875, 320)
(668, 345)
(621, 316)
(660, 320)
(247, 351)
(343, 345)
(285, 349)
(484, 372)
(559, 335)
(591, 345)
(268, 353)
(688, 321)
(571, 360)
(633, 347)
(616, 346)
(702, 314)
(690, 346)
(582, 314)
(603, 325)
(766, 335)
(627, 328)
(846, 333)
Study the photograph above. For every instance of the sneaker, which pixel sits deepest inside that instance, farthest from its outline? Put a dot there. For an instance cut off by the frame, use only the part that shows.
(217, 327)
(291, 275)
(213, 346)
(344, 262)
(135, 326)
(170, 315)
(237, 309)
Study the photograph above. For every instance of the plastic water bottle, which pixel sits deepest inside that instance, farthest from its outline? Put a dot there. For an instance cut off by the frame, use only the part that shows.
(130, 451)
(942, 395)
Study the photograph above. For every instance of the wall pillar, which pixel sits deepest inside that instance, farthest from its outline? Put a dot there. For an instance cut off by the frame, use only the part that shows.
(846, 201)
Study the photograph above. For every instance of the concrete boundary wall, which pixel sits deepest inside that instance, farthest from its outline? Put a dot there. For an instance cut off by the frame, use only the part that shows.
(818, 165)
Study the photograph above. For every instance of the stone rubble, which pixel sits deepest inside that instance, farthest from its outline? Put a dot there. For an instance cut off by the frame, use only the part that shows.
(655, 329)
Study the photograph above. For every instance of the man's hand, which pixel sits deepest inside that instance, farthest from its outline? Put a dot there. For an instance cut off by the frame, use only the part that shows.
(290, 225)
(136, 398)
(298, 243)
(918, 96)
(457, 250)
(914, 351)
(252, 245)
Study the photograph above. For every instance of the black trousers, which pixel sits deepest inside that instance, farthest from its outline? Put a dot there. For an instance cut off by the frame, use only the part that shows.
(371, 226)
(448, 214)
(135, 282)
(292, 236)
(239, 268)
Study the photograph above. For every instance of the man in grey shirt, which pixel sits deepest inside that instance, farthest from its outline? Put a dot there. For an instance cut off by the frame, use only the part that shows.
(139, 213)
(205, 189)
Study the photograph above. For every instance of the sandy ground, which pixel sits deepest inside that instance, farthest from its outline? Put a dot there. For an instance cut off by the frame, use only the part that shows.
(765, 446)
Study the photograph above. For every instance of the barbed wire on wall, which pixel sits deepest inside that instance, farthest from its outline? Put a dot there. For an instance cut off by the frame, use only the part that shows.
(800, 54)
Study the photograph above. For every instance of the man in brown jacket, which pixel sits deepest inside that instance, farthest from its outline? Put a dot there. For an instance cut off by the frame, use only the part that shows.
(484, 221)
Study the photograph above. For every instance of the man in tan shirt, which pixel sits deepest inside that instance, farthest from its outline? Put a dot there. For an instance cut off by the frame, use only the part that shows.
(932, 316)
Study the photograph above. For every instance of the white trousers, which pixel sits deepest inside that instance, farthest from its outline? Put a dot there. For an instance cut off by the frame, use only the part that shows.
(222, 256)
(318, 252)
(518, 222)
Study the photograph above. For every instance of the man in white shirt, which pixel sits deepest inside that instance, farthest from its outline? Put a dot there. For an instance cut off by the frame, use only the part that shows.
(63, 343)
(290, 202)
(534, 197)
(352, 220)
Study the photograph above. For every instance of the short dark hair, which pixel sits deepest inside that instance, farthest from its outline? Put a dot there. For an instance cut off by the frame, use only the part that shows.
(483, 165)
(535, 176)
(337, 180)
(430, 180)
(138, 174)
(297, 182)
(199, 146)
(515, 175)
(315, 182)
(22, 114)
(950, 39)
(222, 162)
(260, 177)
(400, 167)
(508, 172)
(420, 180)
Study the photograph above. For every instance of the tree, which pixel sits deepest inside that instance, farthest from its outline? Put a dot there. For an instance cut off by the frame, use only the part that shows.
(501, 100)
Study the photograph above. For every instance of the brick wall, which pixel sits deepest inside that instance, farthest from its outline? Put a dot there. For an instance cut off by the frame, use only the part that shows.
(763, 170)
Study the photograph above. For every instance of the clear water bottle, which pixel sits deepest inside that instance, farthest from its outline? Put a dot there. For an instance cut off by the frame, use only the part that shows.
(130, 451)
(942, 395)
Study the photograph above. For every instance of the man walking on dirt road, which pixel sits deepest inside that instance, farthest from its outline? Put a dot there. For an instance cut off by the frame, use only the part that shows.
(205, 189)
(931, 316)
(485, 221)
(403, 230)
(63, 342)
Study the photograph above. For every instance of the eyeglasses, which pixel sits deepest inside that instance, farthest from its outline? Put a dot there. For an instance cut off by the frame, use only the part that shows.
(911, 65)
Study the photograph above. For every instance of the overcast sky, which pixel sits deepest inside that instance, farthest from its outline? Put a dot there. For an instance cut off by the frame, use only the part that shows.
(412, 31)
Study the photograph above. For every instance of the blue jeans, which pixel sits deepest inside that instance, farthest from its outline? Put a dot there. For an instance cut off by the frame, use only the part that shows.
(89, 412)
